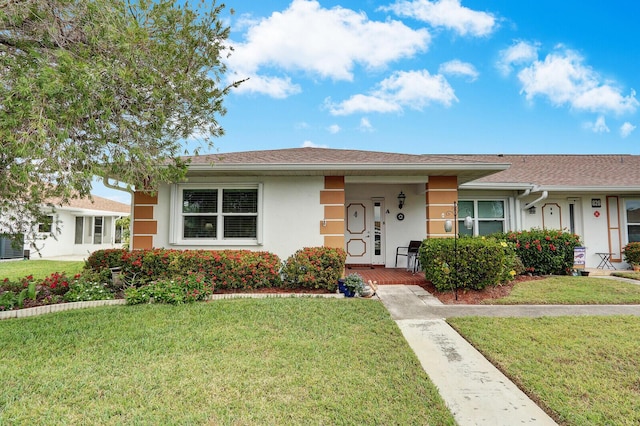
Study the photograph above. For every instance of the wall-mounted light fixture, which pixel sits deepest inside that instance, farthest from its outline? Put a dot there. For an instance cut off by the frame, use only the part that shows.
(401, 198)
(532, 210)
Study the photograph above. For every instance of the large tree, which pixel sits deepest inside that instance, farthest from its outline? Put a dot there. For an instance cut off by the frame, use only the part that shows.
(102, 88)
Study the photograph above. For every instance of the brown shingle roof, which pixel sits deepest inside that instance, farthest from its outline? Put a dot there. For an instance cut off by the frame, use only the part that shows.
(327, 156)
(98, 204)
(565, 170)
(341, 162)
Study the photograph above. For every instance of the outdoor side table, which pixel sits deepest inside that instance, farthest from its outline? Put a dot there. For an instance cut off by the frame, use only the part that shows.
(605, 261)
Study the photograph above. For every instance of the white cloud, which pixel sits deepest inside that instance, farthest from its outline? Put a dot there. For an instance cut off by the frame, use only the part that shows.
(324, 42)
(275, 87)
(626, 129)
(521, 52)
(457, 67)
(365, 125)
(333, 129)
(412, 89)
(599, 126)
(309, 144)
(564, 79)
(446, 13)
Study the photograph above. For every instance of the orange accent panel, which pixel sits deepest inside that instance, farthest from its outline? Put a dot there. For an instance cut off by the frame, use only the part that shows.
(143, 212)
(142, 242)
(334, 182)
(145, 227)
(144, 198)
(334, 242)
(443, 182)
(332, 227)
(442, 197)
(332, 197)
(333, 212)
(437, 227)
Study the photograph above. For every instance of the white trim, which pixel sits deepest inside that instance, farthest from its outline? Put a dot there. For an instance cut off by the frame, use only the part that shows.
(175, 229)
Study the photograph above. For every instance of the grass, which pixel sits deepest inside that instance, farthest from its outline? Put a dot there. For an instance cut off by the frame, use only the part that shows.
(631, 275)
(239, 361)
(586, 370)
(571, 290)
(40, 269)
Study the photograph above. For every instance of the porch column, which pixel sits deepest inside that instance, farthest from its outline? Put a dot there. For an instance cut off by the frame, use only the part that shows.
(145, 227)
(442, 192)
(332, 198)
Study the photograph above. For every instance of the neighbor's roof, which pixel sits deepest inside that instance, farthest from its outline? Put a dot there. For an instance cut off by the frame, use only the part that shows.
(572, 172)
(99, 204)
(342, 162)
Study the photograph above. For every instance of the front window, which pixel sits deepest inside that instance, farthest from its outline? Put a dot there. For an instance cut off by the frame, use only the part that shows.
(216, 214)
(46, 225)
(488, 216)
(633, 220)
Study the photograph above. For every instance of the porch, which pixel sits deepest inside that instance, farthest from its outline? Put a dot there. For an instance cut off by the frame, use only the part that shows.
(383, 275)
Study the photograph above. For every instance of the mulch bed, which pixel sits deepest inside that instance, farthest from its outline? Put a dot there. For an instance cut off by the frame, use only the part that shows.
(475, 297)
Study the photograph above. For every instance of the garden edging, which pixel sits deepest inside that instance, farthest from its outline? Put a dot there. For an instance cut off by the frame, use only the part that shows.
(59, 307)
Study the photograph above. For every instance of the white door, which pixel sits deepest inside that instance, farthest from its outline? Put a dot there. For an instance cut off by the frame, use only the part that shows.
(364, 233)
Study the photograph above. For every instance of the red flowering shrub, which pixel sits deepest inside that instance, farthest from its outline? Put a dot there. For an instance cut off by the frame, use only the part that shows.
(314, 267)
(57, 282)
(230, 269)
(545, 252)
(107, 258)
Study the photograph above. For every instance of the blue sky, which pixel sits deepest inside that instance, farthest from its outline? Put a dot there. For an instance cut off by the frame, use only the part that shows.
(434, 76)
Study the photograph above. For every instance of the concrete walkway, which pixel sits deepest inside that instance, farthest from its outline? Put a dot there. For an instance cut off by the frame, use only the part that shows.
(475, 391)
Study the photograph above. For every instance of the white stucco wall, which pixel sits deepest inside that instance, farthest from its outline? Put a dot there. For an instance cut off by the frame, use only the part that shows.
(291, 215)
(64, 243)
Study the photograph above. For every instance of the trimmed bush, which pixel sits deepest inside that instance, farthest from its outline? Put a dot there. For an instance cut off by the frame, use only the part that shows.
(631, 253)
(480, 262)
(545, 252)
(230, 269)
(104, 259)
(314, 268)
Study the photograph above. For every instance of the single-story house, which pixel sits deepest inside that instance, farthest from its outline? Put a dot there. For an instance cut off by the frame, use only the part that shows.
(370, 203)
(84, 225)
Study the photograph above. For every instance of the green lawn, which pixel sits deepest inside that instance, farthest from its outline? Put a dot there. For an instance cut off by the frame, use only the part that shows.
(238, 361)
(16, 269)
(585, 369)
(571, 290)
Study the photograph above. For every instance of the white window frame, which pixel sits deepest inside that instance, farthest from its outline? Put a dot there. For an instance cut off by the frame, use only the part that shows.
(626, 222)
(477, 220)
(175, 220)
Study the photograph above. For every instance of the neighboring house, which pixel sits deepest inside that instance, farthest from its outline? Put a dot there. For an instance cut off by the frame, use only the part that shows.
(84, 225)
(370, 203)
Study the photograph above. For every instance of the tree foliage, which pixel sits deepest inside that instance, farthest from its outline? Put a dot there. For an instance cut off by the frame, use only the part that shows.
(102, 88)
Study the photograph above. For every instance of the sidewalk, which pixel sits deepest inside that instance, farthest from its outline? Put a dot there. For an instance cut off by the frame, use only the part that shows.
(475, 391)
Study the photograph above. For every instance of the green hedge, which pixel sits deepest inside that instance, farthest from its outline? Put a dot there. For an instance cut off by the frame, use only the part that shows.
(544, 252)
(314, 267)
(311, 267)
(480, 262)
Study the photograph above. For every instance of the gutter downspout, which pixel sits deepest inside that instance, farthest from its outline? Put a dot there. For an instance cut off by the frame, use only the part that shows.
(105, 181)
(543, 196)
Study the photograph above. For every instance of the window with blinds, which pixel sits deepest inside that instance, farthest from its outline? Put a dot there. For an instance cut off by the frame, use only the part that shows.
(219, 213)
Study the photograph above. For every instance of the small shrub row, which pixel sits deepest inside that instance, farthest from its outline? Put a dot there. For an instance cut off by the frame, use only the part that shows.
(468, 263)
(56, 288)
(543, 251)
(192, 287)
(310, 267)
(631, 253)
